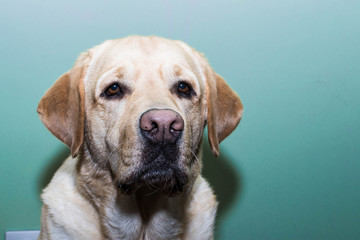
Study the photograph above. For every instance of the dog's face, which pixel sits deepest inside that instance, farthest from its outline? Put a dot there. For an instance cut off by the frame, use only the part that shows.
(145, 113)
(138, 107)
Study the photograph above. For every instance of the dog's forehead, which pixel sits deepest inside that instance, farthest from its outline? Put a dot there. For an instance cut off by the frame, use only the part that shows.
(145, 52)
(142, 60)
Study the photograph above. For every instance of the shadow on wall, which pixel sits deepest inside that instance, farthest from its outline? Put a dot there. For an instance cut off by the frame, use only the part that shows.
(224, 179)
(52, 166)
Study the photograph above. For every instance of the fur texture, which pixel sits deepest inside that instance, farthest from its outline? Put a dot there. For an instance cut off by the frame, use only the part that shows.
(120, 183)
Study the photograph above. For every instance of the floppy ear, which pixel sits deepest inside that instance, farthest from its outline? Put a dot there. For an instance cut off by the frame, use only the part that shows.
(224, 109)
(61, 109)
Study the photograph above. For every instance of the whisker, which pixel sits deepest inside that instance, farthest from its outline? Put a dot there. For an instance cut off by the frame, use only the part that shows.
(194, 154)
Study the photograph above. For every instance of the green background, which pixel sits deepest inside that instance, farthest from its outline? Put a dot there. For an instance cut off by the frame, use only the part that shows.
(291, 170)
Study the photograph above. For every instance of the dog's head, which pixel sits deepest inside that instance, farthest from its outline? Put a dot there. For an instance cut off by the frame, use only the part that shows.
(138, 107)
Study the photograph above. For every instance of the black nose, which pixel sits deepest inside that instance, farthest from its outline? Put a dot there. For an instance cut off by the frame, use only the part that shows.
(161, 125)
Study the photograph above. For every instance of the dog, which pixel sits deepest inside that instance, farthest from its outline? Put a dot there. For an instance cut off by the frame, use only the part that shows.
(133, 112)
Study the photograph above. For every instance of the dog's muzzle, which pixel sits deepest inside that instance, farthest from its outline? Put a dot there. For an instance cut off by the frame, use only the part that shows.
(161, 130)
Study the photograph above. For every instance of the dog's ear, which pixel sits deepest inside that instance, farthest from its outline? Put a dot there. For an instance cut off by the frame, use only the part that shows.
(224, 109)
(61, 109)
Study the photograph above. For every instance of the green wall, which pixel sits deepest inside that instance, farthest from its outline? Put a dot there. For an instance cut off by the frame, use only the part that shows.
(292, 168)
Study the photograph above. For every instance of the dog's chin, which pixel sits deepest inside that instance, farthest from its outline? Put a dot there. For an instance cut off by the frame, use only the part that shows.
(155, 178)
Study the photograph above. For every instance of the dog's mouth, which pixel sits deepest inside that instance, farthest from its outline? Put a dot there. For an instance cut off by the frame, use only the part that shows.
(159, 171)
(157, 177)
(168, 181)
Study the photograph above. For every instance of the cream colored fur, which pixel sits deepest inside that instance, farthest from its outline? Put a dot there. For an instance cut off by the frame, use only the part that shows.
(85, 200)
(68, 215)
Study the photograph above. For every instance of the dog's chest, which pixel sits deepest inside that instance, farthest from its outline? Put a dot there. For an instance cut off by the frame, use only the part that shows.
(145, 218)
(162, 226)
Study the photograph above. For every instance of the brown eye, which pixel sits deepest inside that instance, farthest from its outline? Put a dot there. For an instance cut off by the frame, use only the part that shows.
(184, 88)
(113, 89)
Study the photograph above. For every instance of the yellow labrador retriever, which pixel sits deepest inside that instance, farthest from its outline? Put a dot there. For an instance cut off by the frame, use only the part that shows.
(133, 112)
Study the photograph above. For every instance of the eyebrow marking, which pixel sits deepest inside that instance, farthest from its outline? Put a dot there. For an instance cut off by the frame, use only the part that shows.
(161, 73)
(120, 72)
(178, 70)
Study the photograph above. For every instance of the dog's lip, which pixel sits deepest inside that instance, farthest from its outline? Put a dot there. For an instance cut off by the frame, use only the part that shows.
(161, 175)
(158, 177)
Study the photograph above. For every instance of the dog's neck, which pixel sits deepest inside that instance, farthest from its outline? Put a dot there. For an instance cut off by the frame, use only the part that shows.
(145, 209)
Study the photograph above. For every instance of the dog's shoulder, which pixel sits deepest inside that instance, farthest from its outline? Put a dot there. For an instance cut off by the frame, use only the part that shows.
(66, 210)
(201, 211)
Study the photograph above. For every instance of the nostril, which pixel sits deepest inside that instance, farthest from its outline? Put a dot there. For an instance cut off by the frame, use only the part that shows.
(148, 124)
(154, 126)
(177, 125)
